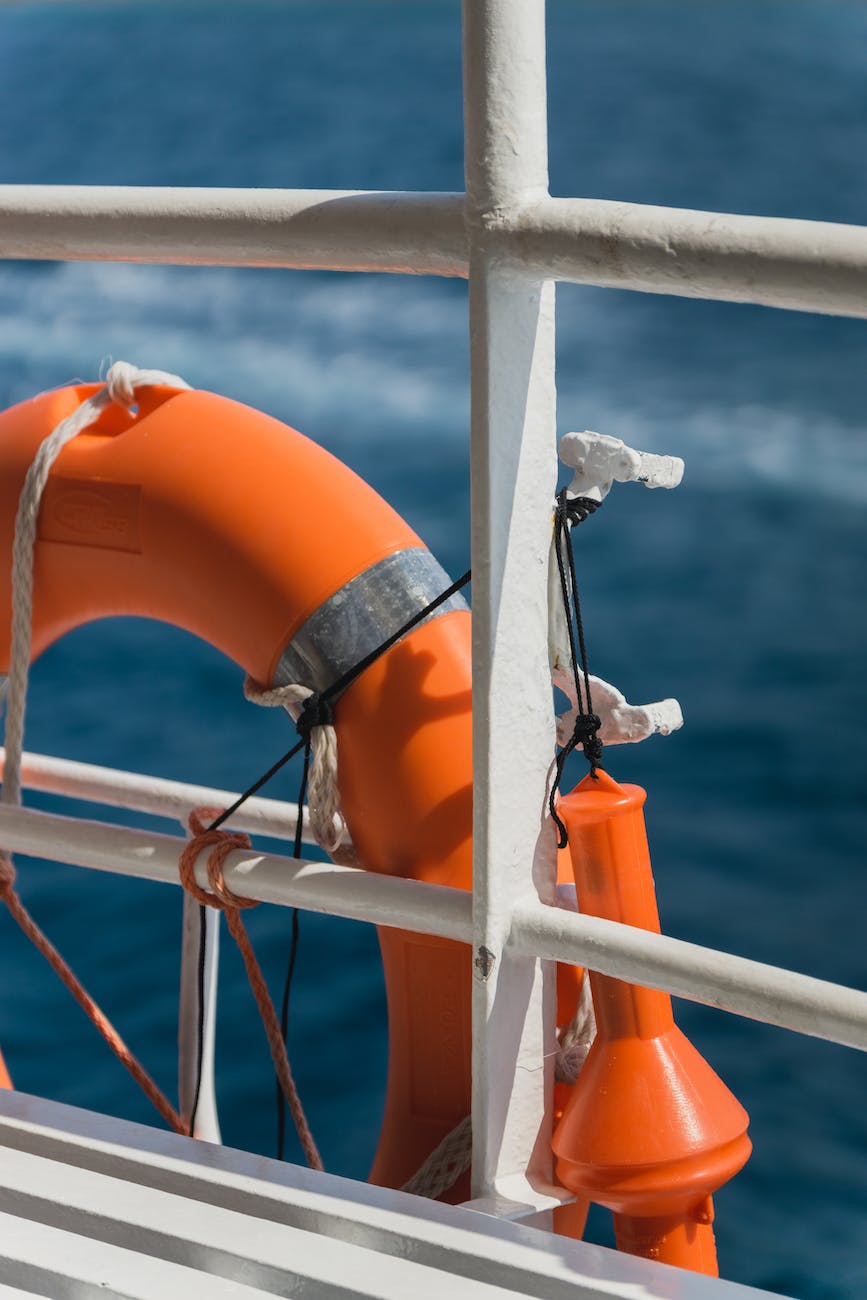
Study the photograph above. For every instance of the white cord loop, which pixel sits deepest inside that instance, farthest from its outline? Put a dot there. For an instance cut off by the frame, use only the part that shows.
(323, 797)
(121, 383)
(124, 378)
(576, 1038)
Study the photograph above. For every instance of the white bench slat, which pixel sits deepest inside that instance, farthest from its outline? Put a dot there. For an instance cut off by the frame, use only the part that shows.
(250, 1222)
(65, 1266)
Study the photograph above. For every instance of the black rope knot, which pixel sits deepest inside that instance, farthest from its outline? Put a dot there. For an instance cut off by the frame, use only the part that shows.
(586, 734)
(592, 747)
(316, 711)
(574, 510)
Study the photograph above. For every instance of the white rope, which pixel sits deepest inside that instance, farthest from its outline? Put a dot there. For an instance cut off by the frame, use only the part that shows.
(445, 1164)
(121, 383)
(576, 1038)
(452, 1158)
(323, 797)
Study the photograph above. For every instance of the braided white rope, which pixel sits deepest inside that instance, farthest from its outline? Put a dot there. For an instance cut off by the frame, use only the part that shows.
(445, 1164)
(323, 797)
(576, 1038)
(121, 383)
(452, 1158)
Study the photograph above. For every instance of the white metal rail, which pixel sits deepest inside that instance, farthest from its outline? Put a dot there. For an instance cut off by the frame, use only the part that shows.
(718, 979)
(817, 266)
(511, 239)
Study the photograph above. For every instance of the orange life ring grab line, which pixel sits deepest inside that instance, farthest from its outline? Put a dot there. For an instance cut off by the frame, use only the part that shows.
(203, 513)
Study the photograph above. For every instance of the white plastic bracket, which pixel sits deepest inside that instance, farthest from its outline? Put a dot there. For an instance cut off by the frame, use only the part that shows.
(600, 460)
(622, 723)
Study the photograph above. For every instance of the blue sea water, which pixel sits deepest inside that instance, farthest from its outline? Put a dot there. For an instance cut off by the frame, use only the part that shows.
(742, 594)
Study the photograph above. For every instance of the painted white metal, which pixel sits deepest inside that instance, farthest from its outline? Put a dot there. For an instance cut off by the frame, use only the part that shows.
(69, 1266)
(522, 1200)
(196, 1084)
(291, 882)
(108, 1186)
(339, 230)
(213, 1243)
(815, 266)
(513, 473)
(156, 795)
(719, 979)
(513, 478)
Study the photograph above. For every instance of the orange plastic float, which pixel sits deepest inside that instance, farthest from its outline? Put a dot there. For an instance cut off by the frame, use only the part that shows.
(218, 519)
(649, 1131)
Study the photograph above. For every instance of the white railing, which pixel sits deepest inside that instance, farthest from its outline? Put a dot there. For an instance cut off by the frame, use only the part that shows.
(511, 239)
(815, 266)
(718, 979)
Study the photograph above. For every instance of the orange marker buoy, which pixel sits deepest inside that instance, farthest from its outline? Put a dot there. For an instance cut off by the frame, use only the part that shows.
(650, 1131)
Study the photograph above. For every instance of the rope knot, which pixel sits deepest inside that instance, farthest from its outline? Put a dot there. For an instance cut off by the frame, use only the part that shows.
(221, 843)
(120, 383)
(316, 711)
(586, 734)
(586, 727)
(576, 509)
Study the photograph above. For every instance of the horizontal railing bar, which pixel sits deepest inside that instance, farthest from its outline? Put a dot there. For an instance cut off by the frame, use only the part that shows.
(814, 266)
(737, 984)
(811, 266)
(717, 979)
(155, 795)
(267, 878)
(337, 230)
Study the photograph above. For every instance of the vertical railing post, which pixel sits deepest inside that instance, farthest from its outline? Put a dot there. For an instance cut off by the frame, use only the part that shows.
(197, 1013)
(513, 481)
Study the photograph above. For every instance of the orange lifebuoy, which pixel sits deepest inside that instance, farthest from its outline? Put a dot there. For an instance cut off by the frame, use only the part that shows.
(206, 514)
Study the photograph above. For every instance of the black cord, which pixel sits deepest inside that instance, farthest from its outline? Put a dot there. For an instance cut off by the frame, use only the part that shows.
(293, 947)
(571, 511)
(316, 710)
(284, 1029)
(200, 1025)
(337, 688)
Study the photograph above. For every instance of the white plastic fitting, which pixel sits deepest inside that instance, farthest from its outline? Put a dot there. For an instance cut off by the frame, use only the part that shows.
(622, 723)
(600, 460)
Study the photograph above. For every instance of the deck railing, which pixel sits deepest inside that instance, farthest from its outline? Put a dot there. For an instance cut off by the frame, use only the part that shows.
(511, 240)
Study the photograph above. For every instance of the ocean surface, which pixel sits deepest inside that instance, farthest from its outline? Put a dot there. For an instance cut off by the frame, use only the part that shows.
(742, 593)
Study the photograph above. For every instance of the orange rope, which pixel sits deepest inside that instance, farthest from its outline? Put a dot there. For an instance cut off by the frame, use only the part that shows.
(96, 1016)
(222, 843)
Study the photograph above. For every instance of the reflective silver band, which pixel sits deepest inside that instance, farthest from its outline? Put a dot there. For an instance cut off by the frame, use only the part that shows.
(361, 615)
